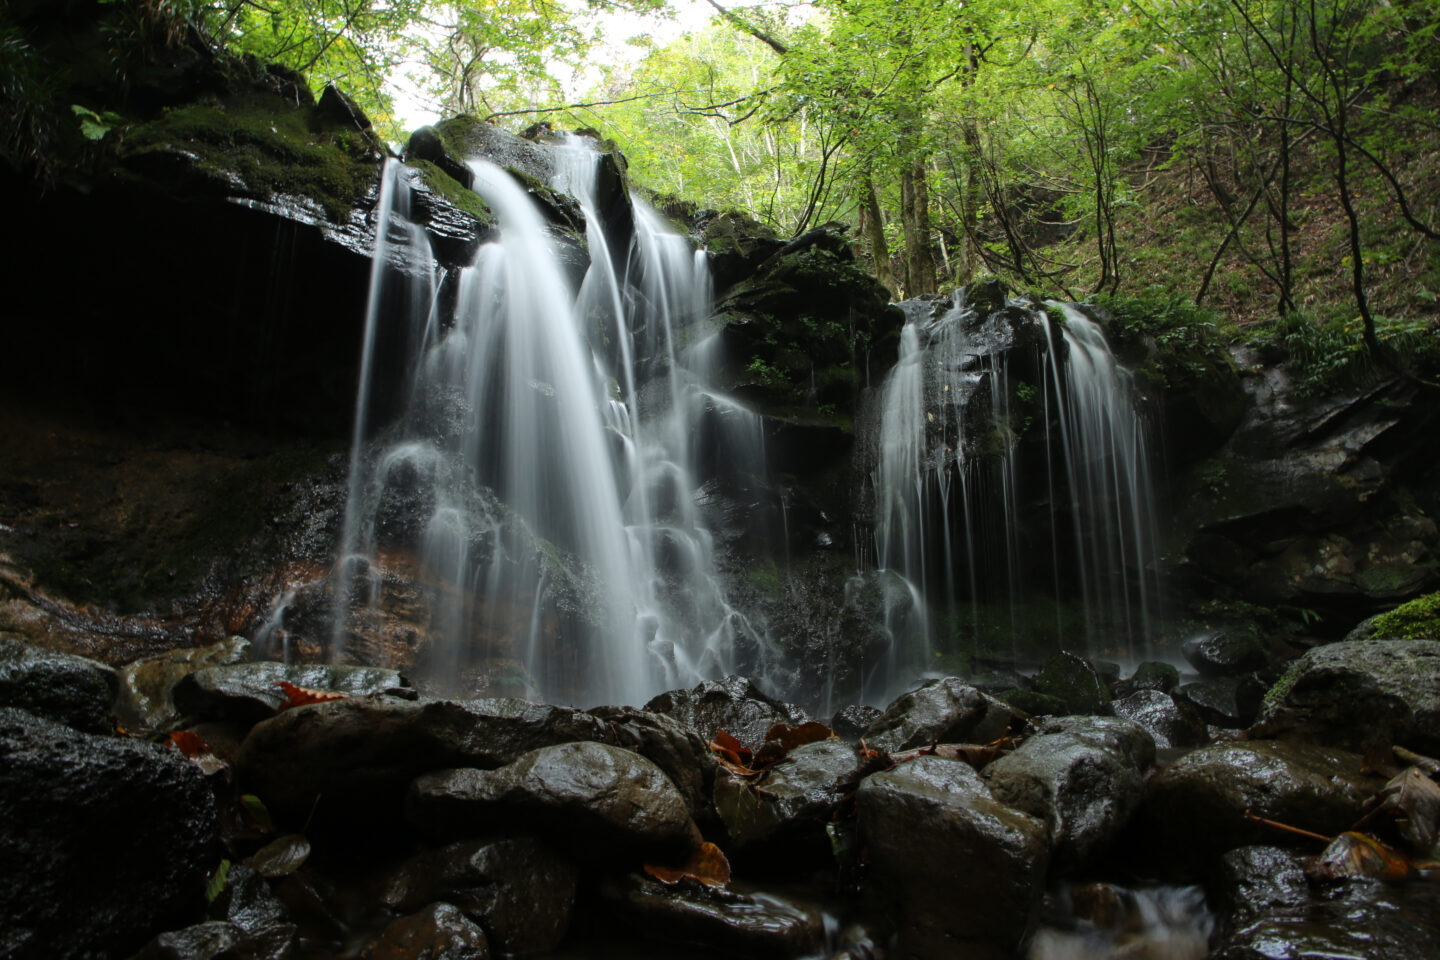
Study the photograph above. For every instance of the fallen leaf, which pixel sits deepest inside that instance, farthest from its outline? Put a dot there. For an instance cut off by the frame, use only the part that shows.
(281, 856)
(303, 696)
(728, 748)
(189, 743)
(707, 864)
(1413, 800)
(255, 808)
(789, 737)
(217, 882)
(1360, 855)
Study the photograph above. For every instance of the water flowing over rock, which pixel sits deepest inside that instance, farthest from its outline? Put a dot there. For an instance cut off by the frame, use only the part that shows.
(147, 697)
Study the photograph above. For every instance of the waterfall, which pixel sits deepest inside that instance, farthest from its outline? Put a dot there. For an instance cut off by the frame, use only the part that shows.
(533, 505)
(1011, 475)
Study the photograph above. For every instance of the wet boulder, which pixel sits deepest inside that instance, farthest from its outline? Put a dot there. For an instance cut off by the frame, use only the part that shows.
(1152, 675)
(59, 686)
(518, 889)
(251, 692)
(247, 901)
(603, 798)
(146, 700)
(1231, 702)
(1075, 682)
(963, 872)
(1208, 792)
(794, 800)
(734, 704)
(220, 940)
(1170, 724)
(850, 723)
(1253, 881)
(716, 918)
(1083, 777)
(362, 754)
(942, 711)
(107, 840)
(1355, 693)
(438, 932)
(1223, 654)
(670, 745)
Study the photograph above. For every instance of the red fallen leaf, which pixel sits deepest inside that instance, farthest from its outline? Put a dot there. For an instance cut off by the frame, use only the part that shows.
(303, 696)
(189, 743)
(728, 748)
(707, 864)
(789, 737)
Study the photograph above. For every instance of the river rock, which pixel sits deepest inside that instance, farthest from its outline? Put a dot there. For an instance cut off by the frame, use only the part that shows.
(1222, 654)
(734, 704)
(247, 901)
(146, 700)
(59, 686)
(963, 871)
(1354, 693)
(1206, 793)
(219, 940)
(251, 692)
(1075, 682)
(798, 796)
(1254, 881)
(724, 920)
(518, 889)
(1231, 702)
(602, 797)
(1357, 918)
(1082, 777)
(944, 711)
(850, 723)
(106, 840)
(362, 754)
(1152, 675)
(1169, 723)
(438, 932)
(670, 745)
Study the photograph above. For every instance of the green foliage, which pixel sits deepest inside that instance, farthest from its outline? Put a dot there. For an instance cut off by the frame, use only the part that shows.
(1327, 351)
(216, 884)
(1417, 620)
(766, 374)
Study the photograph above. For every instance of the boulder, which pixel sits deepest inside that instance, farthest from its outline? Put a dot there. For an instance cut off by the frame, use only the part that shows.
(1153, 675)
(1083, 777)
(1223, 654)
(1073, 680)
(438, 932)
(944, 711)
(59, 686)
(850, 723)
(107, 840)
(603, 798)
(247, 901)
(734, 704)
(362, 754)
(1356, 693)
(732, 923)
(146, 700)
(669, 744)
(1353, 918)
(1231, 702)
(518, 889)
(219, 940)
(799, 796)
(963, 871)
(1207, 793)
(1169, 723)
(251, 692)
(1254, 881)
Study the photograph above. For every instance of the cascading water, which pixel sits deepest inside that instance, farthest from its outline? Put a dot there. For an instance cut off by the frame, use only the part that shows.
(986, 420)
(538, 481)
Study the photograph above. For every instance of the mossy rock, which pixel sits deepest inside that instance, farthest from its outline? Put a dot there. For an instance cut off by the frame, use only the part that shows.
(1072, 680)
(1035, 703)
(1417, 620)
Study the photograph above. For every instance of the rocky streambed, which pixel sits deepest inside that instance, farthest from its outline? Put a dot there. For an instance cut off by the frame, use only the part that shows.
(198, 804)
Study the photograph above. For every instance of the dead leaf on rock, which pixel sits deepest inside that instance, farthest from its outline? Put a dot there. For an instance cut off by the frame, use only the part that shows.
(1360, 855)
(707, 865)
(1413, 800)
(281, 856)
(198, 751)
(304, 696)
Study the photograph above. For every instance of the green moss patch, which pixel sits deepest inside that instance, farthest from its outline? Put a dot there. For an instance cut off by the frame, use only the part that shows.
(1417, 620)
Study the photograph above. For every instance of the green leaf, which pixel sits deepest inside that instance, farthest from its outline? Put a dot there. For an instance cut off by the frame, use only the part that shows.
(92, 125)
(257, 810)
(281, 857)
(217, 881)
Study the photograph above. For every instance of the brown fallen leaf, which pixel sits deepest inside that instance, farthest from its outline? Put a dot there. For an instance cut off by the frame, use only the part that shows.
(281, 856)
(1360, 855)
(1413, 800)
(707, 865)
(189, 743)
(304, 696)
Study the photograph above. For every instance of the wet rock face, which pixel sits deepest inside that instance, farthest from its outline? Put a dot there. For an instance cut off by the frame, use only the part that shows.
(438, 932)
(733, 704)
(519, 890)
(147, 700)
(1356, 693)
(251, 692)
(669, 744)
(1073, 681)
(58, 686)
(1223, 654)
(850, 723)
(1206, 794)
(723, 920)
(219, 940)
(1255, 881)
(603, 798)
(943, 711)
(1151, 675)
(361, 754)
(106, 840)
(796, 797)
(1231, 702)
(1168, 723)
(964, 871)
(1082, 777)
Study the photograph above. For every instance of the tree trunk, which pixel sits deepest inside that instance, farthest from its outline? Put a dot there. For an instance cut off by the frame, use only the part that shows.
(874, 229)
(915, 219)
